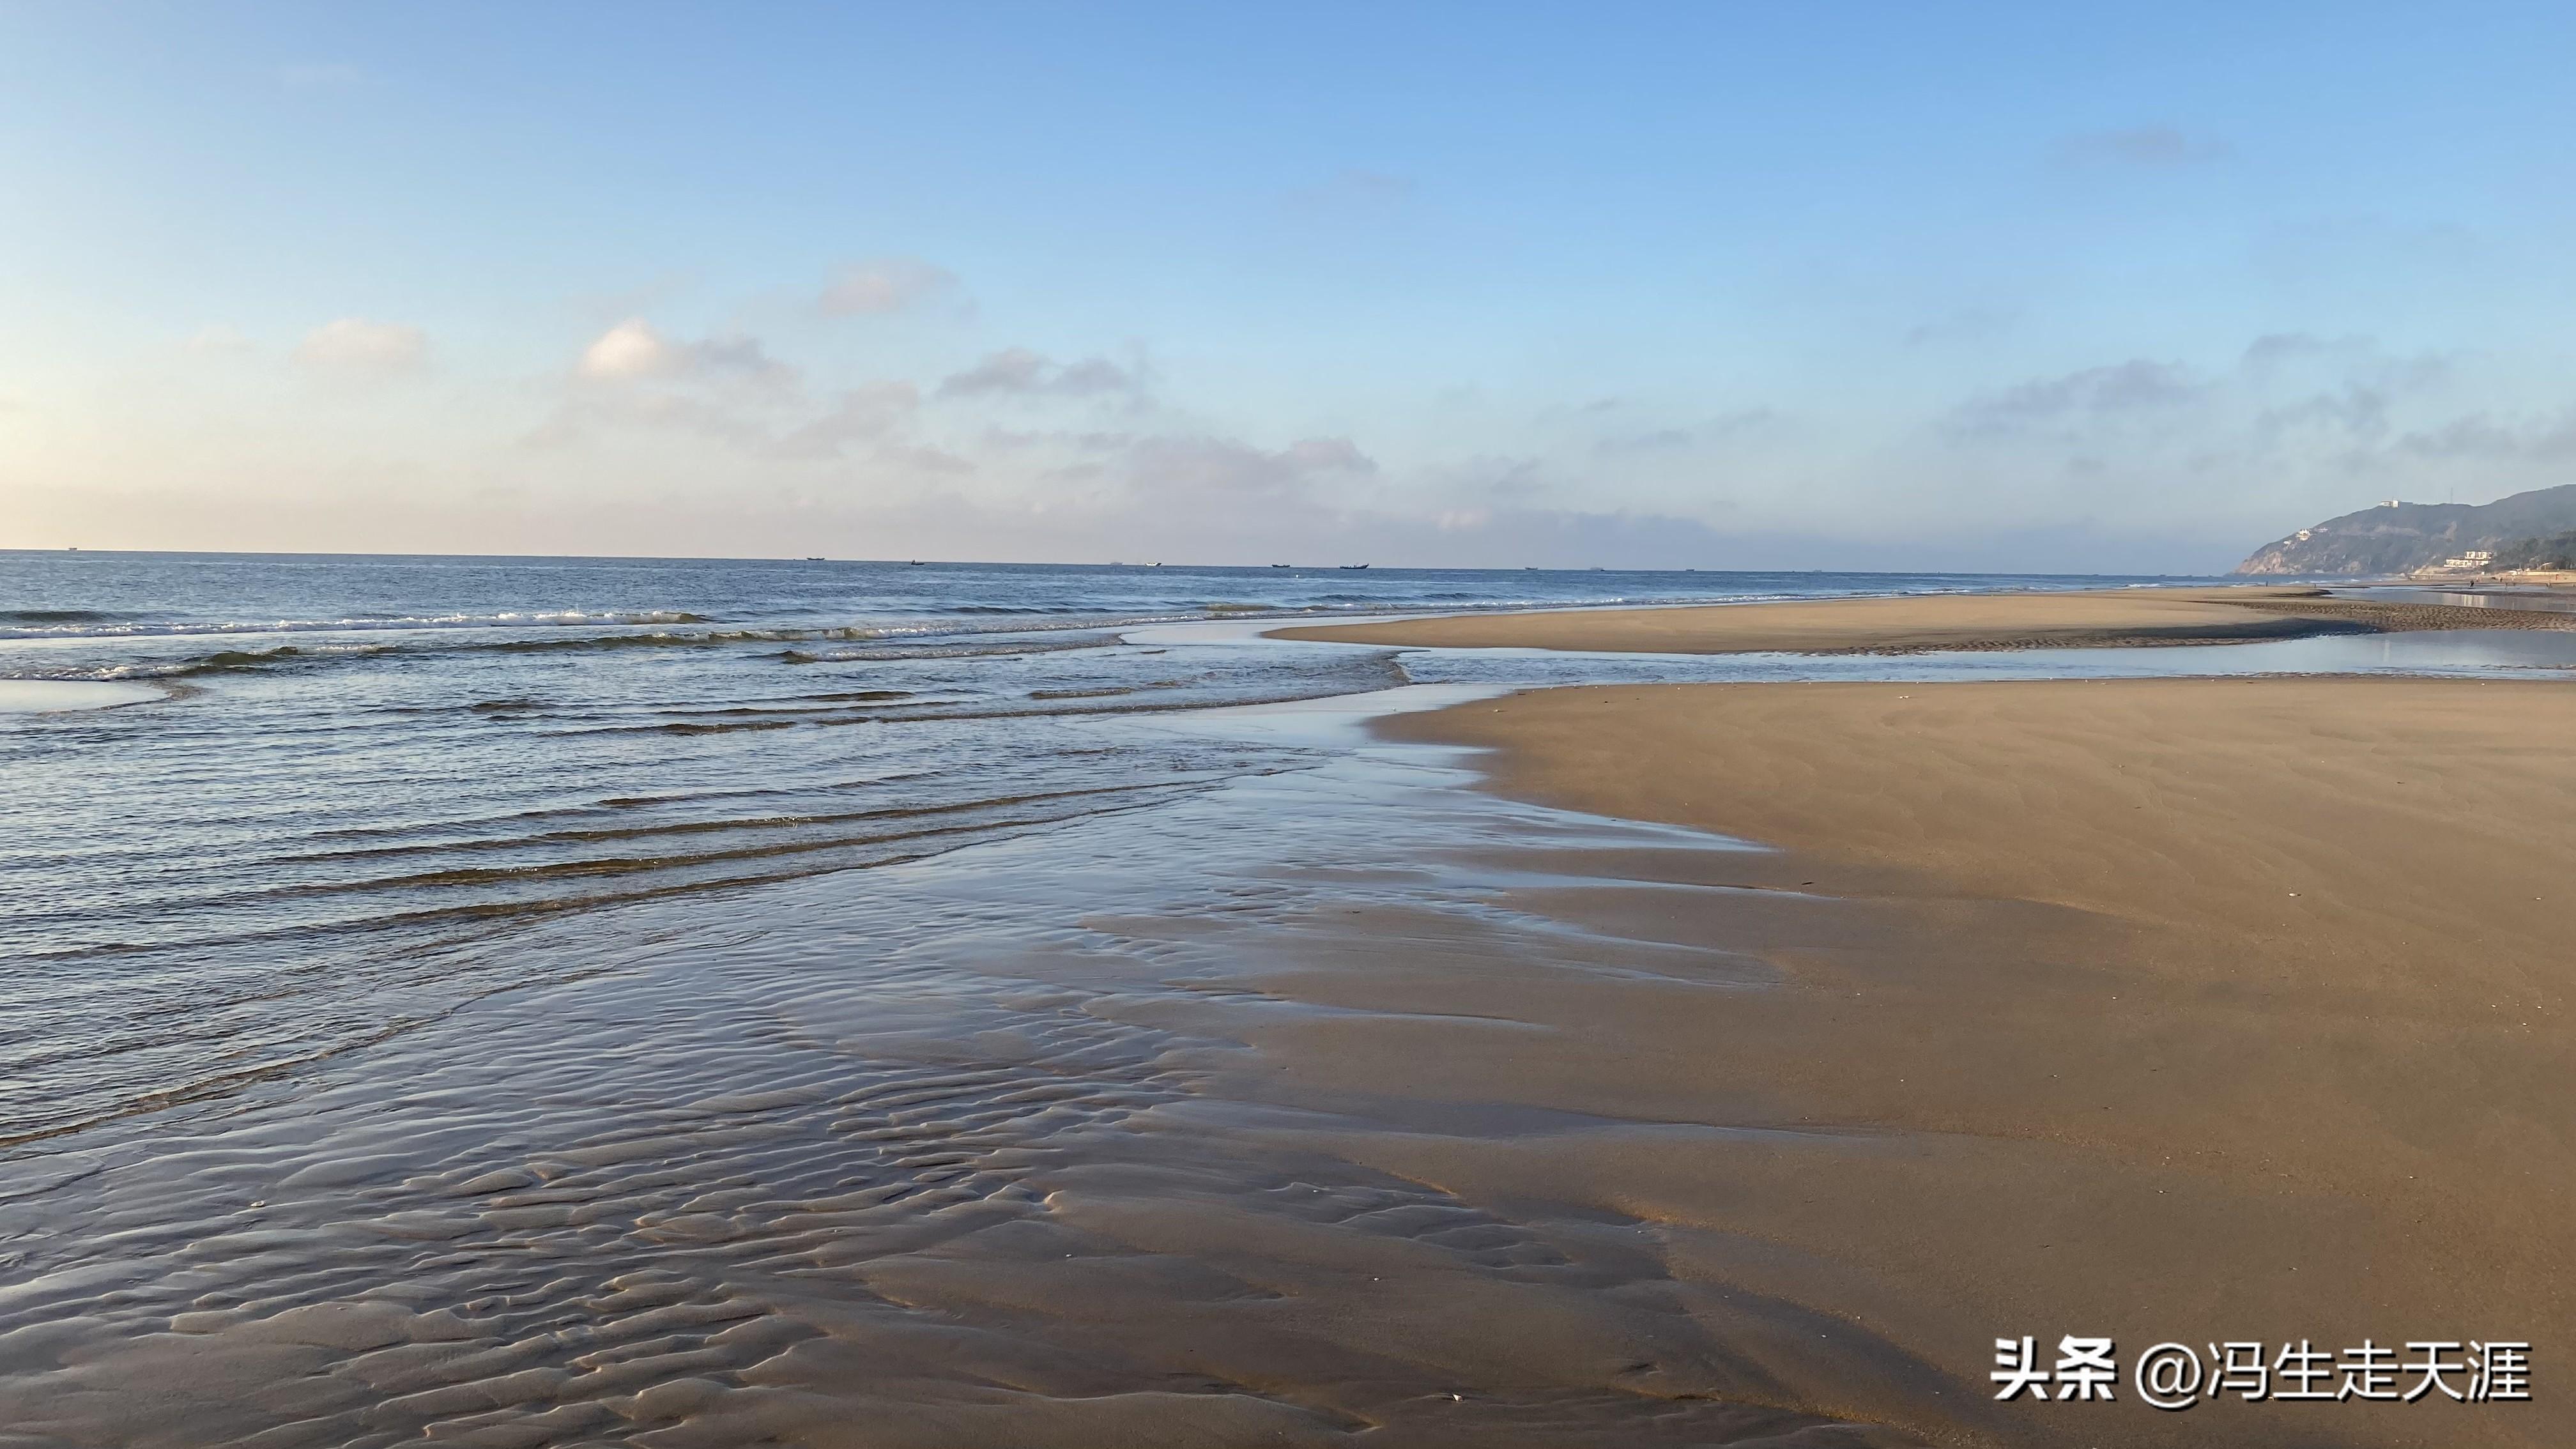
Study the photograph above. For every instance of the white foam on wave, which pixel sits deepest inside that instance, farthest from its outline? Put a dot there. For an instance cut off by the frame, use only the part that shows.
(47, 696)
(150, 628)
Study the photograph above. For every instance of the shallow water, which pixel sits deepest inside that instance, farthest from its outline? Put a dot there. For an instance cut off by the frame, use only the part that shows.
(985, 1136)
(2500, 596)
(648, 1041)
(2464, 653)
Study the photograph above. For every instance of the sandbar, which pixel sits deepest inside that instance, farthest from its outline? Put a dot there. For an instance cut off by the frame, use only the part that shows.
(1925, 622)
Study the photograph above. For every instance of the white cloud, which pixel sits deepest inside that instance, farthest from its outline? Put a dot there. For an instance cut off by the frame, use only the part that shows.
(1013, 369)
(1209, 469)
(869, 413)
(2481, 438)
(2093, 394)
(634, 350)
(729, 389)
(742, 359)
(630, 349)
(1021, 372)
(887, 284)
(362, 347)
(1737, 424)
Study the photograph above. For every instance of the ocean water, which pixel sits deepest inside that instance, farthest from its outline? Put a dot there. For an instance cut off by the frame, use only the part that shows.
(352, 779)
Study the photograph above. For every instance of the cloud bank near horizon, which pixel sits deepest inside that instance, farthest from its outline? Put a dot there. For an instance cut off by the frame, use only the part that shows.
(648, 438)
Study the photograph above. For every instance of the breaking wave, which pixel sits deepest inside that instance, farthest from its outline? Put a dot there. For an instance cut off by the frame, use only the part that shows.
(96, 623)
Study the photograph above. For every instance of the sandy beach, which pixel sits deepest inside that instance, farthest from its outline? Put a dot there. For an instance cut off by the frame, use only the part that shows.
(1676, 1064)
(2191, 1010)
(1919, 623)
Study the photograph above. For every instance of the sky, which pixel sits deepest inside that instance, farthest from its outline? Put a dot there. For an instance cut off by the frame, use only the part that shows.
(2031, 287)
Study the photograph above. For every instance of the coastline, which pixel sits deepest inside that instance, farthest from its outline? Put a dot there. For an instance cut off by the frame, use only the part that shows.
(1345, 1101)
(1925, 623)
(2161, 1009)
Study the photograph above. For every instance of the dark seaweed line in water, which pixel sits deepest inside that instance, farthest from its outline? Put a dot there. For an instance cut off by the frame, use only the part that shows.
(794, 712)
(934, 646)
(130, 625)
(59, 616)
(794, 706)
(606, 866)
(531, 704)
(888, 643)
(557, 812)
(618, 865)
(1391, 670)
(634, 802)
(307, 657)
(703, 827)
(892, 641)
(500, 912)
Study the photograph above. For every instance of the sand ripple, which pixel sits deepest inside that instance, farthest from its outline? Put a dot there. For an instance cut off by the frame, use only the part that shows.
(972, 1156)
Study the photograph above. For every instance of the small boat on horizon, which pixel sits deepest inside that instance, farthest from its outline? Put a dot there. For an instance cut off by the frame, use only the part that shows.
(1353, 566)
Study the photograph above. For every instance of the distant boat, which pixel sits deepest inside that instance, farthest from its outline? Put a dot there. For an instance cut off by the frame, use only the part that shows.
(916, 563)
(1353, 566)
(814, 558)
(1283, 566)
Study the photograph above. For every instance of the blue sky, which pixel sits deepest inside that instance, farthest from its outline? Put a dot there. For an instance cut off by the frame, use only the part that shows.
(1896, 286)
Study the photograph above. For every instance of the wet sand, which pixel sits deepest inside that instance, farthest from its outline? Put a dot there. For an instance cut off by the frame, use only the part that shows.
(2190, 1010)
(1050, 1142)
(1921, 623)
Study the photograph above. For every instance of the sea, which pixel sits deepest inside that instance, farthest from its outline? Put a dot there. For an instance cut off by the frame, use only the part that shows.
(346, 782)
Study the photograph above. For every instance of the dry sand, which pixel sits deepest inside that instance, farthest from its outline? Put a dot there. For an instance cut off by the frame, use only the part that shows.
(1953, 621)
(2187, 1010)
